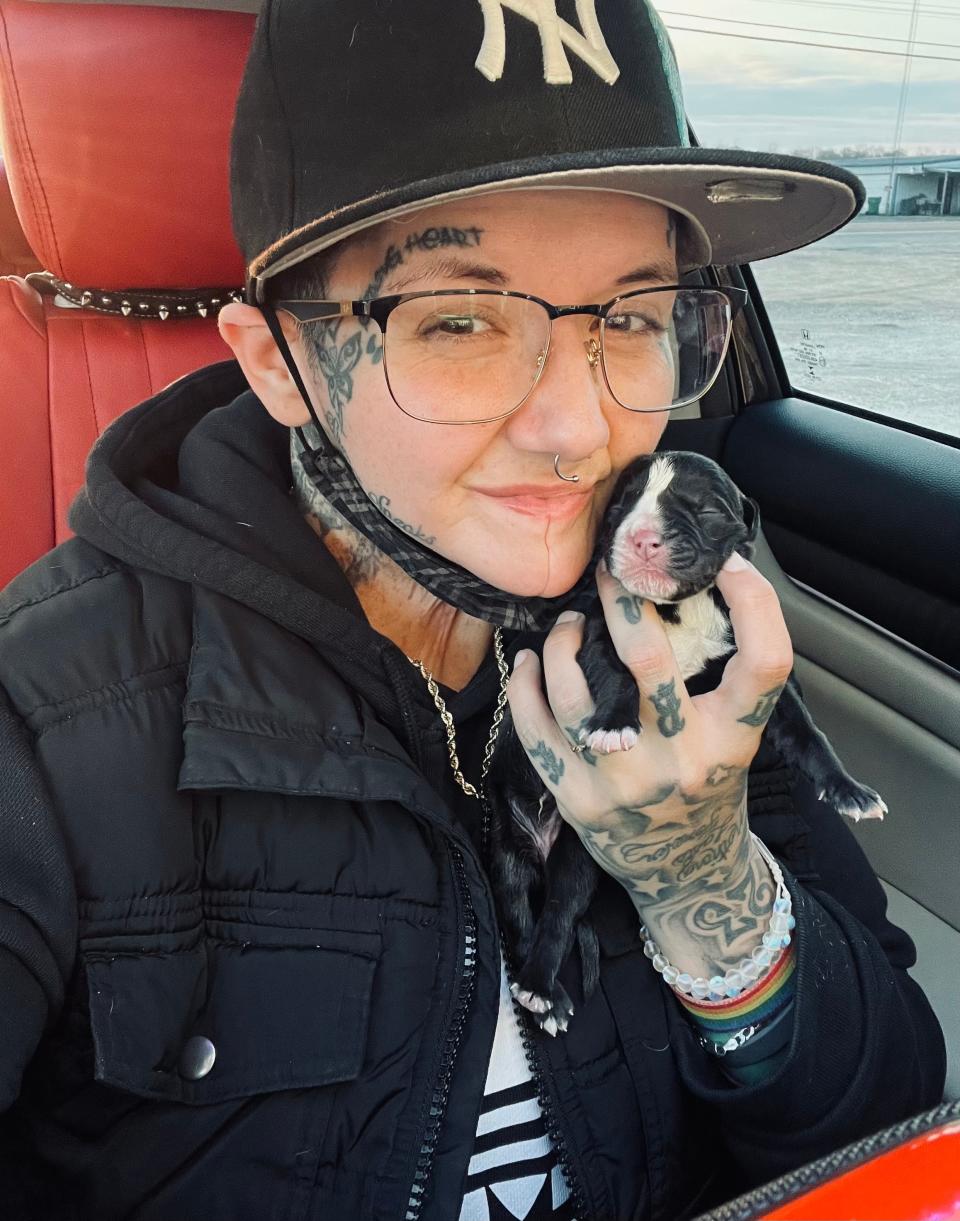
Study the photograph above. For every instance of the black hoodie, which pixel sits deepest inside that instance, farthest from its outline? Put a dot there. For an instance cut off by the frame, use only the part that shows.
(199, 491)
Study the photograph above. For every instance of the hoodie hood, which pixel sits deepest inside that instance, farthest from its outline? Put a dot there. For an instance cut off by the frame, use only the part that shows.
(195, 484)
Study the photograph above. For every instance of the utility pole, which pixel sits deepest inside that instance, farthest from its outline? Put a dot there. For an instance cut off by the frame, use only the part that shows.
(902, 106)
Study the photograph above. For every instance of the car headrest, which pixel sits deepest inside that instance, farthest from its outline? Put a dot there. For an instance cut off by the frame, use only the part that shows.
(16, 257)
(115, 127)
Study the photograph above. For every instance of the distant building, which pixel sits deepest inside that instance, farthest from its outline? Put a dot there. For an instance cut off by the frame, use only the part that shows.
(909, 186)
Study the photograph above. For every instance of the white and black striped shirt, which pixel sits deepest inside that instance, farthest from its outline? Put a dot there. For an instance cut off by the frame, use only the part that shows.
(514, 1172)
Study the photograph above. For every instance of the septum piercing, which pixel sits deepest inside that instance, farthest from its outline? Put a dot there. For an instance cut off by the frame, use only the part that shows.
(565, 478)
(593, 356)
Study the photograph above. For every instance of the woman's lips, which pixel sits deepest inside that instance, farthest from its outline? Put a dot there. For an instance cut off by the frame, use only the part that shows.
(553, 508)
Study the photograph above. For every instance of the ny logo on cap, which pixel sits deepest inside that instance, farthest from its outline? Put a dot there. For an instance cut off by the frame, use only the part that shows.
(554, 32)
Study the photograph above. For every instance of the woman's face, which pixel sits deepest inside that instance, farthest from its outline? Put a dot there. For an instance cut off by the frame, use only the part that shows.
(485, 495)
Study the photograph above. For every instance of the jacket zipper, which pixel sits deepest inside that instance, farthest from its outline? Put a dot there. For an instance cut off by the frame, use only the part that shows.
(441, 1090)
(525, 1023)
(454, 1037)
(525, 1026)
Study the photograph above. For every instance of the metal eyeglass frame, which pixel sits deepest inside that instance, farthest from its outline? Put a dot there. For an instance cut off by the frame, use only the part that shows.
(379, 310)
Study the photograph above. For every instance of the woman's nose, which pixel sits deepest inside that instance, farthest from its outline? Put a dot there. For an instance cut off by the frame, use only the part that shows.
(564, 413)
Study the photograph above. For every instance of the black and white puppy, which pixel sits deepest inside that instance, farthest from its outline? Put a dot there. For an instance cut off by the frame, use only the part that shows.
(673, 520)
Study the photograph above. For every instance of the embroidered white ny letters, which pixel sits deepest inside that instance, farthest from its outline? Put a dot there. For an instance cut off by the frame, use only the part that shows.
(554, 32)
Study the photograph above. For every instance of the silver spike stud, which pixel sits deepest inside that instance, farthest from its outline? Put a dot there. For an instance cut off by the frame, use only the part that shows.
(201, 309)
(163, 312)
(125, 308)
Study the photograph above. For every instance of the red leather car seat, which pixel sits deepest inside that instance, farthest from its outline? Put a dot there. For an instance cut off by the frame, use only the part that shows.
(115, 124)
(16, 257)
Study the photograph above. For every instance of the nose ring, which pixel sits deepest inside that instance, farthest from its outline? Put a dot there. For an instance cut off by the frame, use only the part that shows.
(593, 356)
(565, 478)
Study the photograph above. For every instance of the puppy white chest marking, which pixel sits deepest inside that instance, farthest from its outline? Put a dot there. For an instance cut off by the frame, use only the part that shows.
(702, 633)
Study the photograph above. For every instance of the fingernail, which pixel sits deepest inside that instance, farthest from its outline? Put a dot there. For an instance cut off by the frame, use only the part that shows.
(569, 617)
(736, 563)
(520, 658)
(602, 566)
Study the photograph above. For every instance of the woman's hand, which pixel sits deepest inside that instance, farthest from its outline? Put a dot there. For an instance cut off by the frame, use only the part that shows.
(667, 818)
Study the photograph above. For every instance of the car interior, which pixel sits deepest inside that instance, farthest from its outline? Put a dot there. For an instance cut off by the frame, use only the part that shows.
(114, 189)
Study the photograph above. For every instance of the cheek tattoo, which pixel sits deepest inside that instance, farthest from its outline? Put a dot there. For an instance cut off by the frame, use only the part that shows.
(334, 362)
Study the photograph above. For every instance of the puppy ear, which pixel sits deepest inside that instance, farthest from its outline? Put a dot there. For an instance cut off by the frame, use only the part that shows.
(751, 519)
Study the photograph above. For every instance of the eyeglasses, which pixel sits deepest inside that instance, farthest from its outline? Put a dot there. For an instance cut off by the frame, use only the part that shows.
(469, 356)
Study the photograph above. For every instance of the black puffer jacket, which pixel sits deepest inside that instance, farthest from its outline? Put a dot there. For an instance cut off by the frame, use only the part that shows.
(227, 815)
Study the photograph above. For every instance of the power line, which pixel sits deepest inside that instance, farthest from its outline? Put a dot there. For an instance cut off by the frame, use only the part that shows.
(885, 6)
(803, 29)
(874, 8)
(822, 46)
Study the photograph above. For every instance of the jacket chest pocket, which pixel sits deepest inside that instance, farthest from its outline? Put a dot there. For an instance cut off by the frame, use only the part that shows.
(228, 1018)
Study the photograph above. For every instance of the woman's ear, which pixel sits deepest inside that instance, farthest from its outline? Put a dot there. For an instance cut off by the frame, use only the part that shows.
(244, 329)
(751, 519)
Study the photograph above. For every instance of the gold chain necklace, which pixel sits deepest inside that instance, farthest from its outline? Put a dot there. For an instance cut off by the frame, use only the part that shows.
(448, 719)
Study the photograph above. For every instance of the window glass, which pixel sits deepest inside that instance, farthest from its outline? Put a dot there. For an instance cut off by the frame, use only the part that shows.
(870, 315)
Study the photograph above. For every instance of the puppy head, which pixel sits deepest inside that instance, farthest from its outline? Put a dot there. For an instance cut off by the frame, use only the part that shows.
(673, 520)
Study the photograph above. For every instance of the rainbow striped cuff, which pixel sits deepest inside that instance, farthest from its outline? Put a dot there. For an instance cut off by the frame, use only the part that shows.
(761, 1004)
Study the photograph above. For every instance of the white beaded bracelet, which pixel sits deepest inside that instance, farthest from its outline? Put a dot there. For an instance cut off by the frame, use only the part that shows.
(749, 970)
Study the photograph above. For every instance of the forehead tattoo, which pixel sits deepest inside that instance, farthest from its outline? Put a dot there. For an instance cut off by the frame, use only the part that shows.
(435, 238)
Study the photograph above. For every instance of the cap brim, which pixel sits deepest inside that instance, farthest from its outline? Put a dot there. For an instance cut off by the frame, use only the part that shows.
(740, 206)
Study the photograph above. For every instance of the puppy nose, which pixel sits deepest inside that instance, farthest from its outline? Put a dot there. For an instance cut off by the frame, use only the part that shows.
(647, 542)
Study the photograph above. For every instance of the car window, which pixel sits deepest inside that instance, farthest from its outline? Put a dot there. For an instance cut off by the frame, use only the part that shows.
(871, 315)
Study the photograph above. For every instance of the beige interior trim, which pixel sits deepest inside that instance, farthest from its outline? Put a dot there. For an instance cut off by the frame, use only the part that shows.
(871, 659)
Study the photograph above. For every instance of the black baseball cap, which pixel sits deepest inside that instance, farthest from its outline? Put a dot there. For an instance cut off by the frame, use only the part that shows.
(351, 112)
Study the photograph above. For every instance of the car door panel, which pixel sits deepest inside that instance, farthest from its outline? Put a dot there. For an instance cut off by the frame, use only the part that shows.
(861, 511)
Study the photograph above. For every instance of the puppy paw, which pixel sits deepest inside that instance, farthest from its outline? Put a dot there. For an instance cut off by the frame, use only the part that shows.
(609, 741)
(855, 801)
(551, 1009)
(537, 1004)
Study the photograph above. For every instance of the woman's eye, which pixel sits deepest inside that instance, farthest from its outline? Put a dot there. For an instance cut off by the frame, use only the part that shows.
(456, 325)
(635, 324)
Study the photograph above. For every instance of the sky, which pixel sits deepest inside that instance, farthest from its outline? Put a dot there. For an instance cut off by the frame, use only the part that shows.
(769, 96)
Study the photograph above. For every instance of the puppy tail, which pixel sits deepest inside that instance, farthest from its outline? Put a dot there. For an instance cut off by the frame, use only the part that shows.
(589, 957)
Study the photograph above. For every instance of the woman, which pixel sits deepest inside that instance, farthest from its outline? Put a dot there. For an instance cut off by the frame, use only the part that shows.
(250, 958)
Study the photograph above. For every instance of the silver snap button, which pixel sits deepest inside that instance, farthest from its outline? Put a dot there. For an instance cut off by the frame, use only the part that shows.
(196, 1058)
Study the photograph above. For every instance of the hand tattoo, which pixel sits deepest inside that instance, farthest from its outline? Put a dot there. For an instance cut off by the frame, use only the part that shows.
(631, 608)
(667, 703)
(694, 877)
(764, 707)
(553, 766)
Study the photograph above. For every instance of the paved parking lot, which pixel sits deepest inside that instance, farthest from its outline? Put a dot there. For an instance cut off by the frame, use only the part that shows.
(871, 315)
